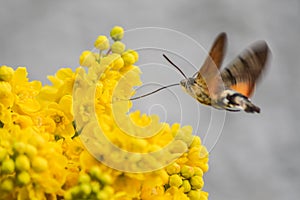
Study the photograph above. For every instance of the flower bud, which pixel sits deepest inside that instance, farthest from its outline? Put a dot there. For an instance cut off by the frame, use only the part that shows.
(68, 195)
(128, 58)
(134, 53)
(102, 195)
(3, 154)
(117, 33)
(95, 186)
(175, 180)
(198, 171)
(197, 182)
(30, 150)
(23, 178)
(186, 186)
(8, 166)
(105, 179)
(102, 43)
(22, 163)
(74, 190)
(118, 47)
(86, 188)
(19, 147)
(173, 169)
(95, 172)
(6, 73)
(7, 185)
(187, 171)
(109, 190)
(194, 195)
(84, 178)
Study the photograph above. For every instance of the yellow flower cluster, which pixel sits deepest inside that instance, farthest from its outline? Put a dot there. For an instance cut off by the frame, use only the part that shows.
(79, 139)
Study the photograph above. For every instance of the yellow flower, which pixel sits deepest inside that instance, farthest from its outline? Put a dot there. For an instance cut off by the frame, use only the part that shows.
(25, 92)
(63, 82)
(80, 139)
(26, 163)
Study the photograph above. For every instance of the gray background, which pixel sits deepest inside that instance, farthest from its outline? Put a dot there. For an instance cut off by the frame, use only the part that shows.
(257, 156)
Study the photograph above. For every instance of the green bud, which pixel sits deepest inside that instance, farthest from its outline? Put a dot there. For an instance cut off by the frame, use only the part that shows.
(30, 150)
(117, 33)
(19, 147)
(118, 47)
(75, 190)
(102, 195)
(68, 195)
(175, 180)
(194, 194)
(173, 169)
(105, 179)
(95, 186)
(198, 171)
(187, 171)
(84, 178)
(186, 186)
(3, 154)
(197, 182)
(109, 190)
(86, 188)
(95, 172)
(8, 166)
(23, 178)
(22, 163)
(7, 185)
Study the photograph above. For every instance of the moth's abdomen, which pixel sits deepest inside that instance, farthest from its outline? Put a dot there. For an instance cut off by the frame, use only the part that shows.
(204, 99)
(234, 101)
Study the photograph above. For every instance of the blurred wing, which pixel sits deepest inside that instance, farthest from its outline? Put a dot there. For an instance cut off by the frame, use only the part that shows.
(243, 72)
(215, 57)
(209, 72)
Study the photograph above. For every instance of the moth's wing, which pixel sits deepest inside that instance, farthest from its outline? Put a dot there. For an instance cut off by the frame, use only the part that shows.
(216, 55)
(243, 72)
(209, 72)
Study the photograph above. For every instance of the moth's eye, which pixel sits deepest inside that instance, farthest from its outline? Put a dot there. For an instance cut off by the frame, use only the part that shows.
(191, 80)
(183, 82)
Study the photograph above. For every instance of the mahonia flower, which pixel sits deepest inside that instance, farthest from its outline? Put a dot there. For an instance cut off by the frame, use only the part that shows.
(79, 139)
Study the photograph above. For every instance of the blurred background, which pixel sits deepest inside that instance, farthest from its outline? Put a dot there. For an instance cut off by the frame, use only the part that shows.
(257, 156)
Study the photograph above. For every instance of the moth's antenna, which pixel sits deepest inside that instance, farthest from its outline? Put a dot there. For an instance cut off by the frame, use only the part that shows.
(174, 66)
(164, 87)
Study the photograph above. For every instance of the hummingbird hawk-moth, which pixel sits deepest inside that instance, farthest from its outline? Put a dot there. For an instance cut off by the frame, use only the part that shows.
(230, 88)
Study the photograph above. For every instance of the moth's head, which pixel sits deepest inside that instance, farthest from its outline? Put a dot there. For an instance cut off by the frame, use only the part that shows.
(187, 83)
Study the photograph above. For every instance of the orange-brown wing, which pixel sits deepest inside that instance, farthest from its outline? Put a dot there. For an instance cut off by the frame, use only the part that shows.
(243, 72)
(216, 55)
(209, 72)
